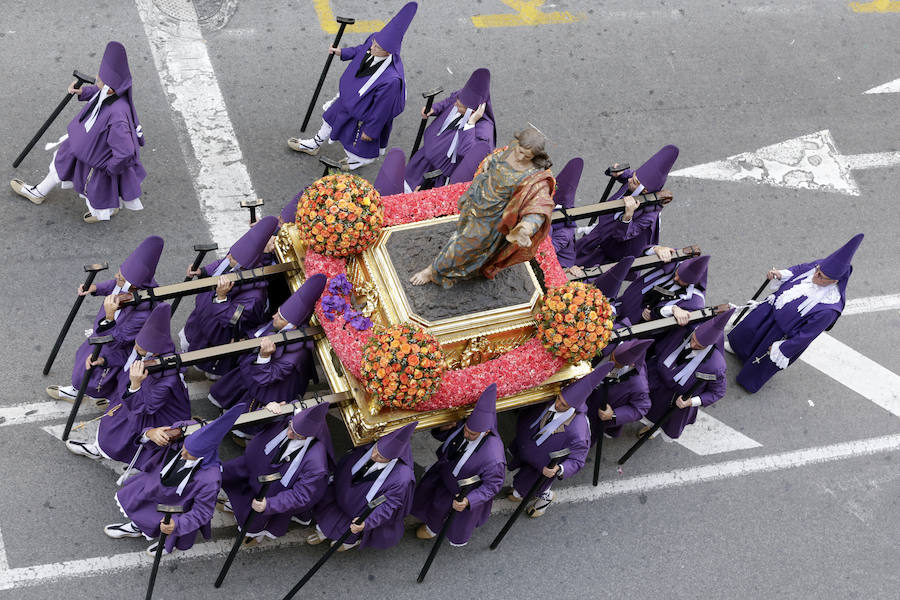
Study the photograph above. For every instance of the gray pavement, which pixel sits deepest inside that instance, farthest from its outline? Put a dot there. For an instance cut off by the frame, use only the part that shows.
(716, 79)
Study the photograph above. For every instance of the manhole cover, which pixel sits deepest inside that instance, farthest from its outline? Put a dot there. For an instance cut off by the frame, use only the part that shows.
(209, 13)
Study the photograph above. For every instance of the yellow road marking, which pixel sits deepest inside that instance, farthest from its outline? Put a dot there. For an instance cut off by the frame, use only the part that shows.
(329, 25)
(876, 6)
(528, 12)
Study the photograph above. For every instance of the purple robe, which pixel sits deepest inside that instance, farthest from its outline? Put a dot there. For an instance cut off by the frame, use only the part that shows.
(563, 238)
(285, 497)
(343, 501)
(140, 494)
(284, 377)
(435, 492)
(633, 300)
(103, 381)
(104, 163)
(373, 113)
(530, 458)
(664, 389)
(765, 324)
(433, 153)
(629, 398)
(209, 323)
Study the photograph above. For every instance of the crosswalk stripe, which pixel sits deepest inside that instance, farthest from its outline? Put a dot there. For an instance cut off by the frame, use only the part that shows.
(709, 436)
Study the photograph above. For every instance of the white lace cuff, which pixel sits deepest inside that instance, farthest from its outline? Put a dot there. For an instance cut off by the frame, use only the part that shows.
(781, 361)
(695, 401)
(666, 311)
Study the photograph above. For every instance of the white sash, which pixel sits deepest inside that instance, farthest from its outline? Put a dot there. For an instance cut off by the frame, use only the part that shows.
(221, 268)
(116, 290)
(548, 429)
(89, 123)
(381, 478)
(470, 450)
(684, 374)
(376, 75)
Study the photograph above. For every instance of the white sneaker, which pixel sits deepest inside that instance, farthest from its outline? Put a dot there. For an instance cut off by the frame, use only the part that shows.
(122, 530)
(62, 392)
(84, 449)
(309, 146)
(541, 504)
(27, 191)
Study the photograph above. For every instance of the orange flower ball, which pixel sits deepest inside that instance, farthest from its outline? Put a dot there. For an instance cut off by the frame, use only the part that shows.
(335, 205)
(574, 322)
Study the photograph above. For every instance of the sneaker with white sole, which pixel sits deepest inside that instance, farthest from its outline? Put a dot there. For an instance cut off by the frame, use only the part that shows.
(28, 192)
(345, 547)
(308, 146)
(122, 530)
(84, 449)
(541, 504)
(68, 393)
(315, 538)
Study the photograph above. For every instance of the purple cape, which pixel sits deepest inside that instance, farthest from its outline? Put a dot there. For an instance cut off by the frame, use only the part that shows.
(630, 399)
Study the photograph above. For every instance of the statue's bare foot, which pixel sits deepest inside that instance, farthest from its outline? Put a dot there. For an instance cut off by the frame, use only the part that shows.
(422, 277)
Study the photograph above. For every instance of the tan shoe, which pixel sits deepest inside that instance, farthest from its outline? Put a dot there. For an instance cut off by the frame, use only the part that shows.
(423, 533)
(250, 542)
(61, 392)
(345, 547)
(513, 498)
(27, 191)
(89, 218)
(314, 539)
(308, 146)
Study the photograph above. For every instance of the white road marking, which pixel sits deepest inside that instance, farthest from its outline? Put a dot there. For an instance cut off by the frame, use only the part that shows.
(808, 162)
(709, 436)
(891, 87)
(35, 412)
(97, 566)
(859, 373)
(872, 304)
(220, 178)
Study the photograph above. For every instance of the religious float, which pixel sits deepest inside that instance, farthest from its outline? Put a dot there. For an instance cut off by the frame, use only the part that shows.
(394, 353)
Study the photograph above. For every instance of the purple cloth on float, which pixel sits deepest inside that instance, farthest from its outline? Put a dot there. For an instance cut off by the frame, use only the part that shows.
(375, 109)
(530, 458)
(140, 494)
(284, 498)
(663, 387)
(630, 399)
(209, 323)
(433, 153)
(161, 400)
(435, 492)
(765, 324)
(343, 501)
(131, 319)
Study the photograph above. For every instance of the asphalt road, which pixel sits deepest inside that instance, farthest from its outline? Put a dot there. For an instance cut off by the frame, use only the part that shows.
(622, 80)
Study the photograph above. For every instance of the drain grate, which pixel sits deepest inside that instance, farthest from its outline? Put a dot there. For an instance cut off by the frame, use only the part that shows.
(213, 13)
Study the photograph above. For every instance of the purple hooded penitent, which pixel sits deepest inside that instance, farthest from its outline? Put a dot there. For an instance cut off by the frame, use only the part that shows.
(632, 352)
(289, 212)
(653, 173)
(693, 271)
(115, 73)
(155, 336)
(837, 264)
(390, 37)
(476, 92)
(205, 442)
(567, 183)
(311, 423)
(393, 170)
(299, 307)
(709, 332)
(140, 266)
(249, 248)
(575, 394)
(396, 443)
(610, 282)
(484, 415)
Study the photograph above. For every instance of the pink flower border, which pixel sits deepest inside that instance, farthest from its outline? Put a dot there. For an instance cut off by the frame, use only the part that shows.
(519, 369)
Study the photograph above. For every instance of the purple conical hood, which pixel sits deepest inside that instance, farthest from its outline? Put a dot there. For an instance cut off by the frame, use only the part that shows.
(392, 173)
(837, 264)
(710, 332)
(484, 415)
(114, 68)
(248, 249)
(653, 173)
(311, 423)
(396, 443)
(204, 443)
(140, 266)
(632, 352)
(610, 282)
(575, 394)
(156, 336)
(465, 168)
(391, 35)
(299, 307)
(289, 212)
(693, 271)
(567, 183)
(476, 90)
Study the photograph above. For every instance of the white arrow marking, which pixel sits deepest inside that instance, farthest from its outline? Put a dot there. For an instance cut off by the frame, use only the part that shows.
(891, 87)
(809, 162)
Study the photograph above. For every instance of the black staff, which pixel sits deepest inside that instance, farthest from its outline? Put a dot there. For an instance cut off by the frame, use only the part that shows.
(79, 80)
(756, 297)
(334, 547)
(167, 510)
(97, 343)
(429, 100)
(201, 250)
(266, 481)
(465, 486)
(604, 391)
(430, 179)
(344, 21)
(252, 204)
(700, 379)
(609, 184)
(91, 271)
(555, 458)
